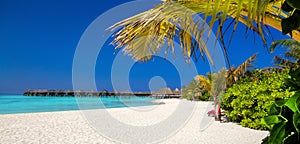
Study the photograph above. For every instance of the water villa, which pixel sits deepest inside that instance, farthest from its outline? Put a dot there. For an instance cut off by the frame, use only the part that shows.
(161, 93)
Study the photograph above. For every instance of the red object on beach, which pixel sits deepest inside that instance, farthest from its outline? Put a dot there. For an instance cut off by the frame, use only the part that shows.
(218, 112)
(219, 109)
(211, 112)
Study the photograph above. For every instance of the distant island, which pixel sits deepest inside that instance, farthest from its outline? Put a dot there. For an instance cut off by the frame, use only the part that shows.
(162, 93)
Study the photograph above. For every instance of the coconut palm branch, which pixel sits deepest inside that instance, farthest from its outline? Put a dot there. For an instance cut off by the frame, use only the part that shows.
(216, 83)
(292, 45)
(234, 74)
(284, 63)
(213, 83)
(204, 82)
(231, 76)
(144, 34)
(291, 58)
(191, 90)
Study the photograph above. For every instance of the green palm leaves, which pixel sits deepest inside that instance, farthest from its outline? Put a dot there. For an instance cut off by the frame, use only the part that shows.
(234, 74)
(294, 4)
(215, 83)
(143, 35)
(290, 43)
(292, 56)
(193, 91)
(204, 81)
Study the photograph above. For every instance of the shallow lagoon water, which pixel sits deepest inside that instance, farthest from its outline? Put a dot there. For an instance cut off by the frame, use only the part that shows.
(11, 104)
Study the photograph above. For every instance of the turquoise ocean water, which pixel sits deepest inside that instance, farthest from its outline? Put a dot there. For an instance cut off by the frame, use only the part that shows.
(10, 104)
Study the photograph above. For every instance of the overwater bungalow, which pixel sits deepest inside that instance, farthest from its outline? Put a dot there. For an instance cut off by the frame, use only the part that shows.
(70, 93)
(42, 92)
(103, 93)
(162, 93)
(80, 93)
(92, 93)
(51, 92)
(176, 91)
(60, 93)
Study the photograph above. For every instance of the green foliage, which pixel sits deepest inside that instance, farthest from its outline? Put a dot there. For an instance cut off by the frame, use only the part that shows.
(286, 7)
(294, 3)
(205, 96)
(251, 98)
(293, 21)
(284, 118)
(194, 91)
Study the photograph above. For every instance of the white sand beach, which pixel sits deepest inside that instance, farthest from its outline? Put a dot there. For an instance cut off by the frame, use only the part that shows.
(79, 127)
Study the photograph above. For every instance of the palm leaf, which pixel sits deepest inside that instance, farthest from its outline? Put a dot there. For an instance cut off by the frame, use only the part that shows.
(162, 23)
(290, 43)
(293, 47)
(175, 18)
(292, 56)
(285, 63)
(204, 82)
(234, 74)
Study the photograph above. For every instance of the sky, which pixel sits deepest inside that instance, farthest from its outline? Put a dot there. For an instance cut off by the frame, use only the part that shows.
(38, 41)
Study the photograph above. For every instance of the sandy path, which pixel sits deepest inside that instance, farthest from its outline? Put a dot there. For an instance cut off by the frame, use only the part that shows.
(75, 127)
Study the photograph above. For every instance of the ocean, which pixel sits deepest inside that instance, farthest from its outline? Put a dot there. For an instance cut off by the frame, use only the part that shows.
(12, 104)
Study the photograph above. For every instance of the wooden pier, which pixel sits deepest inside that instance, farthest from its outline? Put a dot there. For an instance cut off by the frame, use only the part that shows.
(70, 93)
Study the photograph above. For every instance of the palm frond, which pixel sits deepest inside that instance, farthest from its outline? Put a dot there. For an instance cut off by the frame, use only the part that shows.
(204, 82)
(285, 63)
(175, 18)
(161, 24)
(292, 46)
(218, 82)
(289, 43)
(291, 58)
(234, 74)
(241, 69)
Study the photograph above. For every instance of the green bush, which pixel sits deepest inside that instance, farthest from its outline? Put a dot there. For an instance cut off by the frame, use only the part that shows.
(284, 115)
(193, 91)
(251, 98)
(205, 96)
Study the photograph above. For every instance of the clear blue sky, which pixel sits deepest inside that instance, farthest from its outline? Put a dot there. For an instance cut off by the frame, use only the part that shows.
(38, 39)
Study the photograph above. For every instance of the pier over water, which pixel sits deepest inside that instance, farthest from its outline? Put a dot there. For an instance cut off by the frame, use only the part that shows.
(162, 93)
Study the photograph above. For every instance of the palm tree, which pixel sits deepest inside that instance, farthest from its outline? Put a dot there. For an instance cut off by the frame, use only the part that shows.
(144, 34)
(192, 90)
(215, 83)
(291, 58)
(234, 74)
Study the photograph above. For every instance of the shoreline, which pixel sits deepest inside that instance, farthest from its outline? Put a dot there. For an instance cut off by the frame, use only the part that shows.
(75, 127)
(156, 101)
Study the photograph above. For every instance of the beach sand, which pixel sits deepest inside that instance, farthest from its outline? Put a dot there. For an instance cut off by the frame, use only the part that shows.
(79, 127)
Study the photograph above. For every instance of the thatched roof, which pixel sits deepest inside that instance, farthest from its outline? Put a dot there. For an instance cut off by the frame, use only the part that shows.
(69, 91)
(164, 91)
(61, 91)
(115, 91)
(176, 91)
(126, 91)
(104, 91)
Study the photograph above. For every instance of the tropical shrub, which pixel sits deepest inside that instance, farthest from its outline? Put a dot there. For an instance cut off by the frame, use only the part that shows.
(194, 91)
(205, 96)
(284, 115)
(251, 98)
